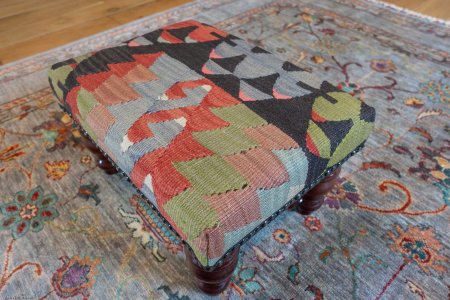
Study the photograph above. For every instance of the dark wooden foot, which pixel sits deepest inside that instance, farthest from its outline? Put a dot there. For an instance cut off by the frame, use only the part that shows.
(217, 280)
(102, 162)
(313, 200)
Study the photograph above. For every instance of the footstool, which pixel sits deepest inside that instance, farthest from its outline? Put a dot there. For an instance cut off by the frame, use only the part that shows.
(219, 135)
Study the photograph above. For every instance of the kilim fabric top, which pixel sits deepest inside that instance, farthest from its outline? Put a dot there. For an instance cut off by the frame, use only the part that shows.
(217, 133)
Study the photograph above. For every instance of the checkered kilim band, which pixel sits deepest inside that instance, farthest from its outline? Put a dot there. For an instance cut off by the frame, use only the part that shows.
(218, 134)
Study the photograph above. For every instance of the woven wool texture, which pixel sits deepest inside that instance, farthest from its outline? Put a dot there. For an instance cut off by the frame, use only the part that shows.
(218, 134)
(382, 232)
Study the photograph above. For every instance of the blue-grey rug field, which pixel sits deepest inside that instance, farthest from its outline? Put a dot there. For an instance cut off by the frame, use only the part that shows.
(69, 231)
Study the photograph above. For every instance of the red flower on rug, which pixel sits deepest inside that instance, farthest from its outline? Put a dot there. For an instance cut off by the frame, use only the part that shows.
(313, 223)
(75, 277)
(28, 212)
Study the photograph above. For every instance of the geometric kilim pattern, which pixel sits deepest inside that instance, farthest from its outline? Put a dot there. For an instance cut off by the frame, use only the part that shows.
(218, 134)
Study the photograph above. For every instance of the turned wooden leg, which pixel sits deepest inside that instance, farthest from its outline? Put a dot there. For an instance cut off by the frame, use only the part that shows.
(313, 200)
(102, 162)
(217, 280)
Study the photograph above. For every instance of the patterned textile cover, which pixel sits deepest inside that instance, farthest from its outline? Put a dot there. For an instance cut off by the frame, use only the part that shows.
(217, 133)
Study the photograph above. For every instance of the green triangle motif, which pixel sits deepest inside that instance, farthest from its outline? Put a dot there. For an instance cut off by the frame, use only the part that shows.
(211, 175)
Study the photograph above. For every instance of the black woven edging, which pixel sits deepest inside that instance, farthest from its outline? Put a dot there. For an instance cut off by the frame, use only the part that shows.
(297, 197)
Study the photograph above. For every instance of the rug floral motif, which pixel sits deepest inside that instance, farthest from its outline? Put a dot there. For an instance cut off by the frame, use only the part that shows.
(69, 231)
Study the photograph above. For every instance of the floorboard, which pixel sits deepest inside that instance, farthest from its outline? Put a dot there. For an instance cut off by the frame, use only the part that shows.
(28, 27)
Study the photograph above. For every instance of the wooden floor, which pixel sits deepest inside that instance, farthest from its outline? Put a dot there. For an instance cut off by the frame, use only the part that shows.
(436, 8)
(31, 26)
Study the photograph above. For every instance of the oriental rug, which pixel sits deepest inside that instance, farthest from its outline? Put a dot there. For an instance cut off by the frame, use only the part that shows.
(383, 232)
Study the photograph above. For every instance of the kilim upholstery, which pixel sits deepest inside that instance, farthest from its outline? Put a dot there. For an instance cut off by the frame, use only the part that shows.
(217, 133)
